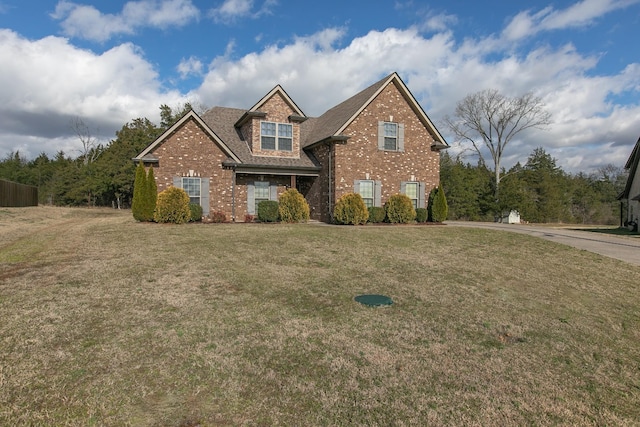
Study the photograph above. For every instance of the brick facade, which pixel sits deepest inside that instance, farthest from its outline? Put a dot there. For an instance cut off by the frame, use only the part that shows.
(231, 155)
(190, 151)
(360, 157)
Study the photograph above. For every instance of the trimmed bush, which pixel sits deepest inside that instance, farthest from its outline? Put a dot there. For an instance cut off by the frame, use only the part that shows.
(139, 191)
(218, 217)
(399, 209)
(376, 214)
(268, 211)
(350, 209)
(440, 209)
(249, 218)
(421, 215)
(196, 212)
(173, 206)
(293, 207)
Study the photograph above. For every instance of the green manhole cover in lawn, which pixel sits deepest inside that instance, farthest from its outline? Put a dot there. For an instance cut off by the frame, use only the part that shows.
(374, 300)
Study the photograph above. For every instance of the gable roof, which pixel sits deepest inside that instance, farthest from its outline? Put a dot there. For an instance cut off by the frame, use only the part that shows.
(222, 121)
(278, 90)
(335, 120)
(632, 166)
(191, 115)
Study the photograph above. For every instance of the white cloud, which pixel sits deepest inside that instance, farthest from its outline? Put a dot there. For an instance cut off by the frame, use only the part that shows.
(190, 66)
(439, 73)
(583, 13)
(53, 81)
(231, 10)
(87, 22)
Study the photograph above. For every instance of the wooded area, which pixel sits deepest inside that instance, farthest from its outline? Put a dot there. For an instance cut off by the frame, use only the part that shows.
(540, 190)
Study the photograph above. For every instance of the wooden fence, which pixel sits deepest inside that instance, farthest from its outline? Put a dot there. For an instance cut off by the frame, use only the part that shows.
(13, 194)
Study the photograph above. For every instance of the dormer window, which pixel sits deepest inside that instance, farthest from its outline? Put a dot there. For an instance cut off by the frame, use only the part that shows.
(276, 136)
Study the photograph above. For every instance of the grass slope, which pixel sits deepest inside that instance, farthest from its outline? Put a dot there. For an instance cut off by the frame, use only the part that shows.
(105, 321)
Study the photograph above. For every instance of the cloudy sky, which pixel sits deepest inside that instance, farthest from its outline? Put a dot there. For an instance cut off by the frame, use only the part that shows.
(109, 62)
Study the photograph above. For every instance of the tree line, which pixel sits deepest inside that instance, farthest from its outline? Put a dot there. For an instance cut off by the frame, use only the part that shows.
(539, 190)
(101, 175)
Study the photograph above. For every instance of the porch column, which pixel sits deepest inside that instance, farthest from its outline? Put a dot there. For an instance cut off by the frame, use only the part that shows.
(293, 181)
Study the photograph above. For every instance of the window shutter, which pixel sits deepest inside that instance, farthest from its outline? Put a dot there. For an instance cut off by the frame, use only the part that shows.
(421, 188)
(377, 193)
(204, 196)
(273, 192)
(251, 199)
(403, 187)
(380, 135)
(177, 181)
(356, 186)
(400, 136)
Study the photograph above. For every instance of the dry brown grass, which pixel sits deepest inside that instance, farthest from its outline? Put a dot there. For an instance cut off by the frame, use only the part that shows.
(105, 321)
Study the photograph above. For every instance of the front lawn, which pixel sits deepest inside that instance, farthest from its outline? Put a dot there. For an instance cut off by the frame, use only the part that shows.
(105, 321)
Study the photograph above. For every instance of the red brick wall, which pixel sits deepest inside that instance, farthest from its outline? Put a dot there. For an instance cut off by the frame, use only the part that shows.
(360, 155)
(190, 149)
(277, 111)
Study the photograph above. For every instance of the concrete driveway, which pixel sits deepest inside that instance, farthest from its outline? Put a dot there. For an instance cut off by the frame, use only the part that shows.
(625, 248)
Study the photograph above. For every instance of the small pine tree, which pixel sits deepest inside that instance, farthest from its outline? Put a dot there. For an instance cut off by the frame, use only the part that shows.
(139, 192)
(440, 209)
(151, 196)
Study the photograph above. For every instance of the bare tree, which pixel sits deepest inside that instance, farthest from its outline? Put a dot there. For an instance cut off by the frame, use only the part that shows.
(491, 120)
(90, 147)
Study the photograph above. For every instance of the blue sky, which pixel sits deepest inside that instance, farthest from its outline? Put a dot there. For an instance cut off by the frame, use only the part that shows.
(109, 62)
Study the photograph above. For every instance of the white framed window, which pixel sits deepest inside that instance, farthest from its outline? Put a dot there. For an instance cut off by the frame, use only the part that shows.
(369, 190)
(390, 136)
(411, 190)
(366, 192)
(260, 193)
(276, 136)
(193, 187)
(415, 191)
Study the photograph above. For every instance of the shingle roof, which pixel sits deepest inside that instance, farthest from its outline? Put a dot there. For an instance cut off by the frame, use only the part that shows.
(222, 121)
(317, 129)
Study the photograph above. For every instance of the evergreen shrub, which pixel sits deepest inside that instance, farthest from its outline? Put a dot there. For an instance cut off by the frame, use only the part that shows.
(376, 214)
(440, 209)
(421, 215)
(139, 191)
(399, 209)
(350, 209)
(196, 212)
(293, 207)
(173, 206)
(151, 196)
(268, 211)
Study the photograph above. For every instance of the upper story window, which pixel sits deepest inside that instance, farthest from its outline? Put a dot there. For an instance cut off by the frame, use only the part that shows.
(276, 136)
(390, 136)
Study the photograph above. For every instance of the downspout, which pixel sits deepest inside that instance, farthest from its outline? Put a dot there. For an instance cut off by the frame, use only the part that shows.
(329, 180)
(233, 194)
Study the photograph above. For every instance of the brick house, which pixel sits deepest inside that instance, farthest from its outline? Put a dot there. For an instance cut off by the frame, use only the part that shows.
(377, 143)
